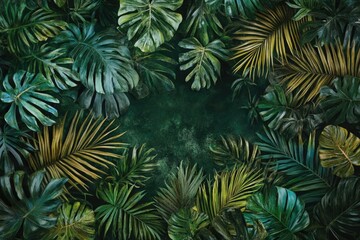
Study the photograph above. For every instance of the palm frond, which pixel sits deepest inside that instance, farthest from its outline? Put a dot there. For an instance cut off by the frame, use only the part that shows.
(246, 8)
(272, 34)
(78, 151)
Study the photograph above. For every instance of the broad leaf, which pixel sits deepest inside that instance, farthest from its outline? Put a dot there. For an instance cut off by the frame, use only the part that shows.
(338, 213)
(282, 213)
(25, 205)
(101, 60)
(125, 215)
(149, 22)
(27, 95)
(340, 150)
(204, 61)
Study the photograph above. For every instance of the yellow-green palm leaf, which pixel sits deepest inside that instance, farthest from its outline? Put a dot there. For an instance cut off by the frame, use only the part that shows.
(79, 151)
(306, 72)
(270, 35)
(339, 149)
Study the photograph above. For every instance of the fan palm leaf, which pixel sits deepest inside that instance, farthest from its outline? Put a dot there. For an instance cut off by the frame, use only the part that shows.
(78, 151)
(340, 150)
(272, 34)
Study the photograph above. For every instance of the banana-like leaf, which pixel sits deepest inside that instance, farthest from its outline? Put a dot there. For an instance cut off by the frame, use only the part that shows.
(342, 102)
(299, 164)
(109, 105)
(272, 34)
(314, 67)
(338, 213)
(204, 61)
(76, 221)
(125, 215)
(185, 224)
(27, 95)
(179, 191)
(101, 60)
(79, 151)
(53, 64)
(281, 211)
(340, 150)
(231, 151)
(230, 189)
(149, 22)
(24, 27)
(13, 148)
(136, 166)
(25, 205)
(246, 8)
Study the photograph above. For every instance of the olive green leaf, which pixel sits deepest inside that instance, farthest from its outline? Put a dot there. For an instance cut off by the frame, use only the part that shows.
(26, 94)
(341, 103)
(149, 22)
(101, 60)
(25, 205)
(23, 27)
(338, 213)
(185, 223)
(203, 61)
(80, 151)
(125, 215)
(230, 189)
(340, 150)
(281, 211)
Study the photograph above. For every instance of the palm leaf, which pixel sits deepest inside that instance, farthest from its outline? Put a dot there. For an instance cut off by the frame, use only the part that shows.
(314, 67)
(24, 27)
(149, 23)
(282, 213)
(179, 191)
(102, 62)
(272, 34)
(75, 222)
(203, 61)
(78, 151)
(338, 213)
(26, 206)
(185, 224)
(340, 150)
(246, 8)
(229, 190)
(299, 164)
(27, 94)
(125, 215)
(342, 102)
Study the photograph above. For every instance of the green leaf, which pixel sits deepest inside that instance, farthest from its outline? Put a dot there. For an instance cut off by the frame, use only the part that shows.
(341, 103)
(281, 211)
(149, 22)
(338, 213)
(246, 8)
(185, 223)
(60, 3)
(340, 150)
(103, 63)
(125, 215)
(203, 61)
(26, 206)
(27, 94)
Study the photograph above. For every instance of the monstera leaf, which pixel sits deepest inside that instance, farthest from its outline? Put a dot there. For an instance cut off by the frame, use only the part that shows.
(338, 213)
(149, 22)
(281, 211)
(125, 215)
(230, 189)
(101, 60)
(185, 224)
(342, 102)
(26, 206)
(203, 61)
(24, 27)
(340, 150)
(75, 222)
(27, 95)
